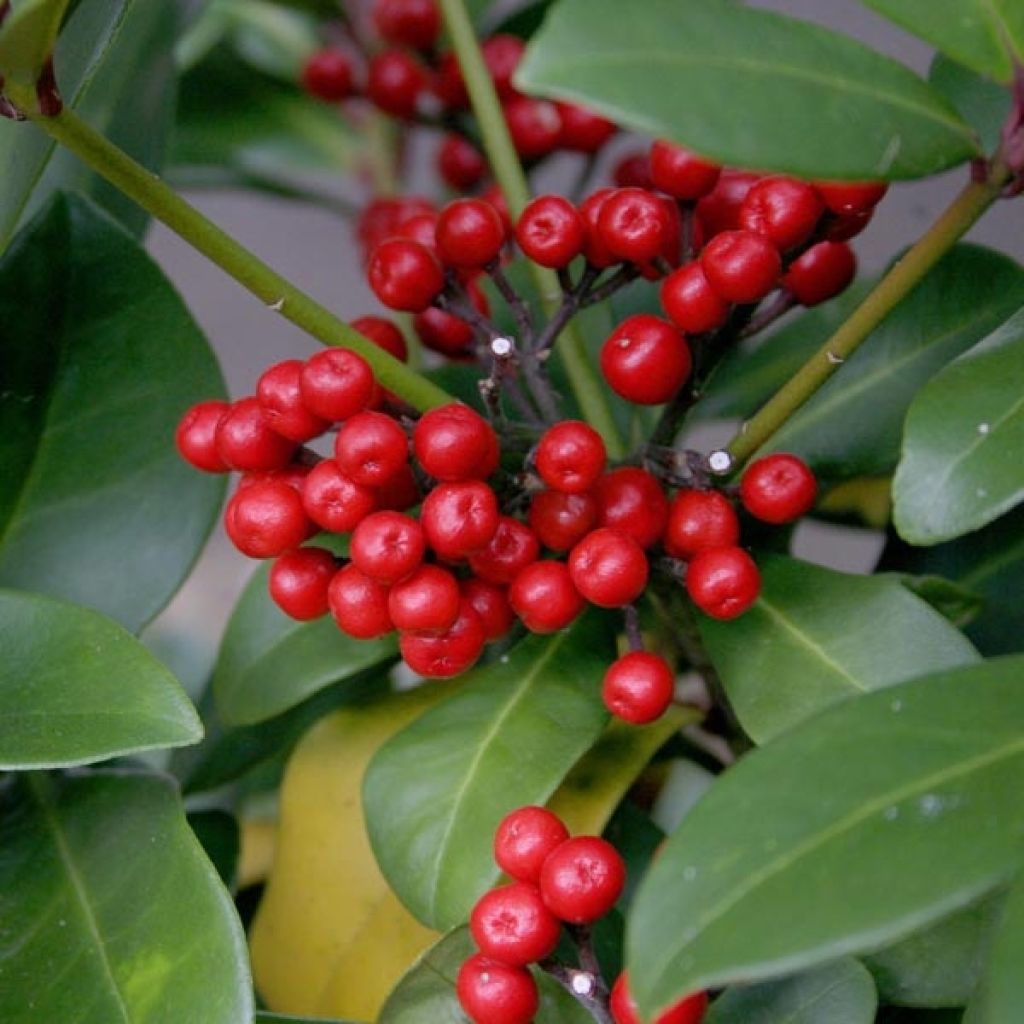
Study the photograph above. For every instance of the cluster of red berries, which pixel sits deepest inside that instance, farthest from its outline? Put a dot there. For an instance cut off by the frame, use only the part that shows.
(556, 881)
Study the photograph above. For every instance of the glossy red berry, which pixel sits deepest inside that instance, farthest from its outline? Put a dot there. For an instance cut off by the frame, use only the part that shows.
(266, 519)
(421, 229)
(387, 546)
(453, 442)
(561, 520)
(502, 55)
(523, 840)
(333, 500)
(594, 249)
(632, 500)
(196, 436)
(719, 210)
(470, 234)
(624, 1009)
(583, 131)
(493, 993)
(784, 210)
(778, 488)
(544, 598)
(741, 266)
(460, 164)
(279, 394)
(633, 224)
(459, 518)
(821, 273)
(294, 475)
(680, 173)
(844, 226)
(371, 448)
(690, 301)
(511, 924)
(582, 879)
(327, 75)
(638, 687)
(359, 604)
(698, 520)
(412, 23)
(447, 654)
(384, 334)
(645, 359)
(723, 582)
(445, 333)
(551, 231)
(851, 197)
(513, 547)
(244, 439)
(299, 580)
(335, 384)
(570, 456)
(404, 275)
(633, 170)
(490, 602)
(426, 602)
(394, 83)
(400, 492)
(609, 568)
(535, 126)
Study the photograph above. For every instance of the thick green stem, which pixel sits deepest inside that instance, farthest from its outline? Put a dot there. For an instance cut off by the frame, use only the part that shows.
(591, 395)
(904, 276)
(247, 269)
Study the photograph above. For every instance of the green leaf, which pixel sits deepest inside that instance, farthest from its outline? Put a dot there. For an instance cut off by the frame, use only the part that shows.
(968, 294)
(104, 887)
(75, 688)
(816, 636)
(98, 360)
(838, 993)
(998, 999)
(906, 797)
(116, 71)
(986, 35)
(218, 834)
(269, 663)
(961, 465)
(426, 995)
(737, 69)
(940, 965)
(27, 37)
(982, 104)
(435, 792)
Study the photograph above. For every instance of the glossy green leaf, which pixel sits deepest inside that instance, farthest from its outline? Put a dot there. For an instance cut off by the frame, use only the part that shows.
(435, 792)
(941, 965)
(27, 37)
(75, 687)
(816, 636)
(985, 35)
(952, 600)
(983, 104)
(968, 294)
(961, 465)
(906, 797)
(838, 993)
(99, 358)
(1001, 993)
(269, 662)
(111, 912)
(426, 995)
(115, 70)
(737, 68)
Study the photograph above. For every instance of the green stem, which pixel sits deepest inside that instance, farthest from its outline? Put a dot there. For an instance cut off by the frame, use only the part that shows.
(587, 386)
(904, 276)
(248, 270)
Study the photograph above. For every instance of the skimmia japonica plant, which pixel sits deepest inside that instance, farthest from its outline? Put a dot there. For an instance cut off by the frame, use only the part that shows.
(531, 712)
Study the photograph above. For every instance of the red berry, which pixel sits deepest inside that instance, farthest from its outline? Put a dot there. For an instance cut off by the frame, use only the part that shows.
(384, 334)
(412, 23)
(535, 126)
(633, 171)
(279, 394)
(512, 925)
(387, 546)
(266, 519)
(596, 252)
(470, 234)
(698, 520)
(426, 602)
(582, 879)
(371, 448)
(523, 840)
(294, 475)
(196, 436)
(459, 518)
(778, 488)
(334, 501)
(445, 333)
(681, 173)
(844, 226)
(404, 275)
(381, 218)
(633, 224)
(394, 83)
(570, 456)
(645, 360)
(494, 993)
(723, 582)
(691, 303)
(543, 597)
(784, 210)
(624, 1010)
(336, 384)
(327, 75)
(561, 520)
(631, 500)
(421, 229)
(513, 547)
(490, 602)
(359, 604)
(741, 266)
(460, 163)
(400, 492)
(551, 231)
(502, 55)
(719, 210)
(851, 197)
(638, 687)
(821, 273)
(608, 568)
(449, 84)
(245, 440)
(450, 653)
(299, 580)
(582, 130)
(453, 442)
